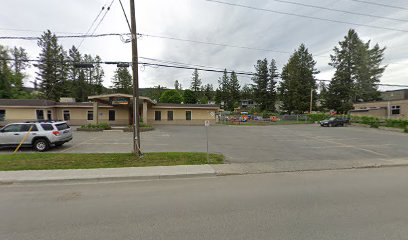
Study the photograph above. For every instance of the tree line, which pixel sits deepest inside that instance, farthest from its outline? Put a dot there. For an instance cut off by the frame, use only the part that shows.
(357, 66)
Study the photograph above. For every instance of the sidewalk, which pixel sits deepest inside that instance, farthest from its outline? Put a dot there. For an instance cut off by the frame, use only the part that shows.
(106, 174)
(188, 171)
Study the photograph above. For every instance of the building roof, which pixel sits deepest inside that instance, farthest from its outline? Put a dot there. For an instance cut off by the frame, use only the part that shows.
(107, 96)
(43, 103)
(175, 105)
(26, 102)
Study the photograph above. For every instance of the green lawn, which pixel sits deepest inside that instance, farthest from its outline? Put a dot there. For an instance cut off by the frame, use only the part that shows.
(42, 161)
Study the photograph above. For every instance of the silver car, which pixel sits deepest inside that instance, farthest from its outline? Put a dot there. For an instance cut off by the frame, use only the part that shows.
(39, 135)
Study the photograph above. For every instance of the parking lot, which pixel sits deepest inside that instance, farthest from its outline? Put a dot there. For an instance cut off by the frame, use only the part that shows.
(252, 144)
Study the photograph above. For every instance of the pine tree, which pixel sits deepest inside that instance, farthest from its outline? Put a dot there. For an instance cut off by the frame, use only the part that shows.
(195, 81)
(261, 82)
(177, 85)
(51, 70)
(233, 91)
(5, 74)
(122, 81)
(271, 88)
(209, 92)
(358, 71)
(247, 92)
(97, 75)
(222, 93)
(298, 81)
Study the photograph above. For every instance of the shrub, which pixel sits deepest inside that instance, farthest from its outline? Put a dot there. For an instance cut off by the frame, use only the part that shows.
(406, 129)
(103, 126)
(316, 117)
(397, 123)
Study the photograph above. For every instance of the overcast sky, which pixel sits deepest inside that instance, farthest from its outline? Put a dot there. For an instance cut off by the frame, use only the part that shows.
(201, 20)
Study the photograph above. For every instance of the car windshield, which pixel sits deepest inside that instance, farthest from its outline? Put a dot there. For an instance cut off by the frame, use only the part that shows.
(332, 119)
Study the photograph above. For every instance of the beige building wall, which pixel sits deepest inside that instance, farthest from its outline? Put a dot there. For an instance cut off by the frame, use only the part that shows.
(198, 116)
(79, 116)
(22, 114)
(383, 112)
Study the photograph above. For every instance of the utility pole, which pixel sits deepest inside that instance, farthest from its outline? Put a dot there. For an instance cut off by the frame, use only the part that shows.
(136, 133)
(311, 101)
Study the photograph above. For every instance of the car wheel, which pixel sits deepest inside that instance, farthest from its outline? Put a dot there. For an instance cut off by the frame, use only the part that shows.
(41, 145)
(331, 125)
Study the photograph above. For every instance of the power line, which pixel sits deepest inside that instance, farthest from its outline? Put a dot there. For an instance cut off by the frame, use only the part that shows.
(219, 44)
(306, 16)
(341, 11)
(124, 13)
(380, 4)
(93, 23)
(158, 36)
(100, 21)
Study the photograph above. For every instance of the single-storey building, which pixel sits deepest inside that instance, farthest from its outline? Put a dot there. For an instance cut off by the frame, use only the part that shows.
(115, 109)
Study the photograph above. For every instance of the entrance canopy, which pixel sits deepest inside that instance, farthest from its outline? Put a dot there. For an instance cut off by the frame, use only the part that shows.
(118, 99)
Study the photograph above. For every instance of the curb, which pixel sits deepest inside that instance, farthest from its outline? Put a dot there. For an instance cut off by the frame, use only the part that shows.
(105, 179)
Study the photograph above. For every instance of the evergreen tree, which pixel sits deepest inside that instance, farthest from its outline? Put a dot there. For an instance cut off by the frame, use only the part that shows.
(51, 67)
(76, 76)
(222, 93)
(177, 85)
(298, 81)
(358, 71)
(208, 92)
(5, 74)
(261, 81)
(122, 81)
(322, 96)
(247, 92)
(271, 88)
(233, 91)
(97, 75)
(195, 81)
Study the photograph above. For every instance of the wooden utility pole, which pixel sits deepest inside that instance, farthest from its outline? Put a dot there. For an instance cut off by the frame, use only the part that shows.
(136, 133)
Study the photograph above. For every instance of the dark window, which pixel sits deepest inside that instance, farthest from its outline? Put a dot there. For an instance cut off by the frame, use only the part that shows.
(90, 115)
(157, 115)
(112, 116)
(67, 115)
(188, 115)
(12, 128)
(26, 128)
(2, 115)
(40, 114)
(62, 126)
(49, 115)
(170, 115)
(395, 110)
(47, 127)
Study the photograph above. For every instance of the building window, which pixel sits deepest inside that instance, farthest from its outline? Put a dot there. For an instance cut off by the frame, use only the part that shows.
(395, 110)
(67, 115)
(170, 115)
(90, 115)
(188, 115)
(49, 115)
(112, 115)
(40, 114)
(2, 115)
(157, 115)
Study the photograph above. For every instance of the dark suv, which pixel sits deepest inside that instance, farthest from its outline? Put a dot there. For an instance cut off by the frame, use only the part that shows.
(334, 122)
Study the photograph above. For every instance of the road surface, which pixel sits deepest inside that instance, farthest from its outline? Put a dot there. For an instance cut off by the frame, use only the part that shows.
(350, 204)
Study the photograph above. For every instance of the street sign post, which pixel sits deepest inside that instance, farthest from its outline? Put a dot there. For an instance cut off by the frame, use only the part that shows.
(207, 125)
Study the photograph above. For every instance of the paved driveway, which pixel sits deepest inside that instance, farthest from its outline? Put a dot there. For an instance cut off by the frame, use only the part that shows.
(253, 144)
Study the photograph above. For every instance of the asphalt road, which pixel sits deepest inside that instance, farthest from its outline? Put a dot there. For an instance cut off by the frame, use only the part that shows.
(353, 204)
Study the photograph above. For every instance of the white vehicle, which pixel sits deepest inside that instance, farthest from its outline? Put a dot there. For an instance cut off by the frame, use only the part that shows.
(42, 136)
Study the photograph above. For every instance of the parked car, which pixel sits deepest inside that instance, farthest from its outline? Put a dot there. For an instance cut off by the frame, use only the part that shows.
(42, 136)
(334, 122)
